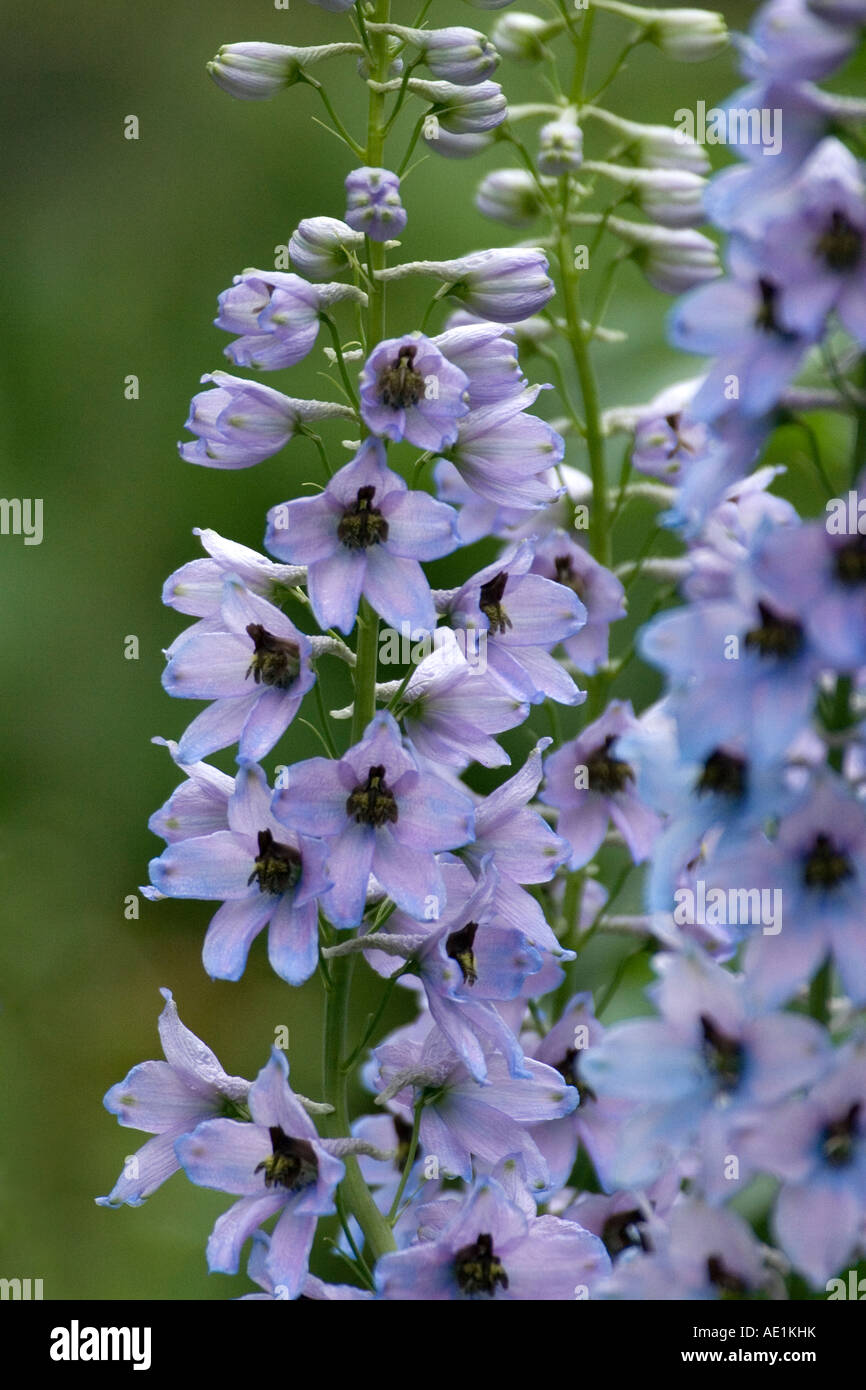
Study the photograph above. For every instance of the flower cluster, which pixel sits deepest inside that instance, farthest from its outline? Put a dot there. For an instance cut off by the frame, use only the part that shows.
(517, 1145)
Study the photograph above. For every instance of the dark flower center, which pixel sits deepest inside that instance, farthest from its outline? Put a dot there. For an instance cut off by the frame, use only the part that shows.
(490, 602)
(478, 1270)
(765, 318)
(673, 423)
(730, 1285)
(400, 385)
(725, 774)
(277, 868)
(775, 636)
(458, 945)
(841, 244)
(607, 774)
(403, 1130)
(568, 1068)
(293, 1163)
(851, 562)
(363, 524)
(837, 1144)
(565, 575)
(625, 1230)
(372, 802)
(275, 660)
(722, 1054)
(826, 865)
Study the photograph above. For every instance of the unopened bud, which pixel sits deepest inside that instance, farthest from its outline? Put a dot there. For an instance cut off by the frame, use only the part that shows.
(560, 146)
(511, 196)
(318, 248)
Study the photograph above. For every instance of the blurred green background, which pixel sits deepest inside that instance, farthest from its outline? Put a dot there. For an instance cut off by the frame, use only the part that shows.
(117, 250)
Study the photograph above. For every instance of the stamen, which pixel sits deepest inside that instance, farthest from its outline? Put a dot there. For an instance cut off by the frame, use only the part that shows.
(372, 802)
(363, 524)
(278, 867)
(490, 602)
(276, 661)
(478, 1269)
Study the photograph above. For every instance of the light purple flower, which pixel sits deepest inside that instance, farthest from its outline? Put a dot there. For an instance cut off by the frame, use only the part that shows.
(276, 1164)
(409, 390)
(381, 814)
(703, 1254)
(523, 615)
(373, 203)
(462, 1119)
(168, 1099)
(738, 671)
(490, 1249)
(256, 671)
(737, 322)
(560, 558)
(505, 455)
(590, 785)
(263, 874)
(789, 40)
(365, 534)
(197, 587)
(487, 353)
(451, 707)
(817, 1146)
(816, 860)
(524, 849)
(312, 1287)
(241, 422)
(697, 1075)
(199, 806)
(818, 232)
(466, 958)
(277, 315)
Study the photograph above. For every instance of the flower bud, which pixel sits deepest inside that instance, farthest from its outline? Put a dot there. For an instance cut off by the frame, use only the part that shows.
(318, 248)
(657, 146)
(560, 146)
(504, 284)
(451, 146)
(671, 197)
(522, 37)
(673, 261)
(689, 36)
(463, 110)
(258, 71)
(373, 203)
(510, 196)
(456, 54)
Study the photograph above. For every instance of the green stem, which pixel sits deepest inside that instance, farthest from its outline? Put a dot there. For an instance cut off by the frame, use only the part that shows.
(355, 1192)
(599, 537)
(341, 361)
(353, 1189)
(340, 129)
(367, 654)
(372, 1024)
(410, 1159)
(323, 715)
